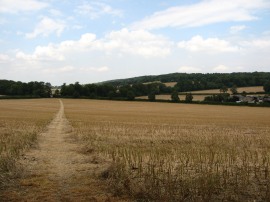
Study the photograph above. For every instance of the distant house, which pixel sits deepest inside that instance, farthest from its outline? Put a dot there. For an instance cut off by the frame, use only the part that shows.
(250, 99)
(266, 99)
(247, 99)
(238, 98)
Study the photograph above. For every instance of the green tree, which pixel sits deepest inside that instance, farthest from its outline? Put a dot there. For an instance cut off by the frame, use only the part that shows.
(130, 95)
(152, 96)
(234, 89)
(189, 97)
(56, 93)
(223, 89)
(218, 98)
(76, 94)
(111, 95)
(78, 87)
(266, 87)
(175, 97)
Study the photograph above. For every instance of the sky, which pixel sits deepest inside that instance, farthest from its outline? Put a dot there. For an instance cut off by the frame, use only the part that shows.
(64, 41)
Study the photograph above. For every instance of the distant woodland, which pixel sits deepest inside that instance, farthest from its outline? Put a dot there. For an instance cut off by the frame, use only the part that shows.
(139, 86)
(18, 88)
(146, 85)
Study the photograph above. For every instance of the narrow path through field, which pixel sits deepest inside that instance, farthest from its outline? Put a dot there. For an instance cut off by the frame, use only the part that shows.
(56, 170)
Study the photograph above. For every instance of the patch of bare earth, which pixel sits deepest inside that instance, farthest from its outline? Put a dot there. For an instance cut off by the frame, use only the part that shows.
(57, 170)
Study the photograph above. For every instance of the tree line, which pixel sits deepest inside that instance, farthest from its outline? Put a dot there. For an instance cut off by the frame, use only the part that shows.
(129, 92)
(126, 92)
(125, 89)
(110, 91)
(32, 89)
(198, 81)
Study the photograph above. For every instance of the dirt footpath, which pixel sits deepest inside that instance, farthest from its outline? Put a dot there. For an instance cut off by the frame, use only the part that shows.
(57, 170)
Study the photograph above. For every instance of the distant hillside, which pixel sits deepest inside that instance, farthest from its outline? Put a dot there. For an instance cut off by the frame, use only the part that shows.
(200, 81)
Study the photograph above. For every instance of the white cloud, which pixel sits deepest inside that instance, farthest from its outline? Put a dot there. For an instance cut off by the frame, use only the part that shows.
(59, 70)
(257, 43)
(69, 68)
(236, 29)
(95, 69)
(203, 13)
(189, 69)
(42, 53)
(55, 12)
(14, 6)
(140, 43)
(211, 45)
(97, 9)
(221, 69)
(266, 33)
(46, 27)
(4, 58)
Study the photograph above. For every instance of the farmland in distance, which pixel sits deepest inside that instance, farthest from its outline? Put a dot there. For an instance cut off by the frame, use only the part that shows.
(204, 93)
(177, 152)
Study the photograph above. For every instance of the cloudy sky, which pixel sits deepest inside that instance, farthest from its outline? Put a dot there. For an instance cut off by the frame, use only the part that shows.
(90, 41)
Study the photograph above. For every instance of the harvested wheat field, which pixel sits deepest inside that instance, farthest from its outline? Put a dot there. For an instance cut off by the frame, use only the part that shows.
(20, 123)
(170, 84)
(94, 150)
(177, 152)
(252, 89)
(41, 158)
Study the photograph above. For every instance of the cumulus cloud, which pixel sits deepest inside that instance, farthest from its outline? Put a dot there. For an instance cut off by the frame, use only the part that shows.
(236, 29)
(97, 9)
(42, 53)
(46, 27)
(212, 45)
(189, 69)
(203, 13)
(138, 42)
(14, 6)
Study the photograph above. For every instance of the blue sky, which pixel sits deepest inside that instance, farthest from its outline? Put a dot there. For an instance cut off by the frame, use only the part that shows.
(89, 41)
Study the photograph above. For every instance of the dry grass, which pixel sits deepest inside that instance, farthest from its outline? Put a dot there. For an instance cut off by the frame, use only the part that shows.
(175, 152)
(252, 89)
(20, 122)
(170, 84)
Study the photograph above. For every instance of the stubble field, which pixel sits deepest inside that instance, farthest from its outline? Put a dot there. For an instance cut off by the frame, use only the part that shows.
(178, 152)
(153, 151)
(20, 123)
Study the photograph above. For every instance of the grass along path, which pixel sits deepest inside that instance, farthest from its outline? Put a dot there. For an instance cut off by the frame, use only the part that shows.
(58, 170)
